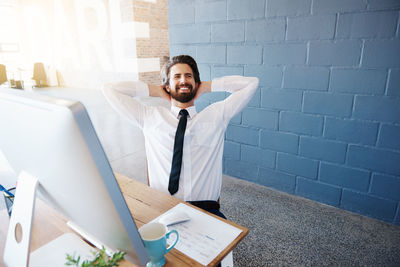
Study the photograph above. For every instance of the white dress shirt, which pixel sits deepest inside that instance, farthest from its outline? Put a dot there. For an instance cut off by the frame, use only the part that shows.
(201, 173)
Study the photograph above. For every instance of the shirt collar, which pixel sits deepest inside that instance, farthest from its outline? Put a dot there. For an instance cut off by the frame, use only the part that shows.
(192, 111)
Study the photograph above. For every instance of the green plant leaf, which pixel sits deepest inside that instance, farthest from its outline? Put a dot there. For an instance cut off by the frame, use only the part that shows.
(101, 259)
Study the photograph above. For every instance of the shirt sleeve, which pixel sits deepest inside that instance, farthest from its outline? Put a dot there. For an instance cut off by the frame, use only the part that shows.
(242, 89)
(122, 96)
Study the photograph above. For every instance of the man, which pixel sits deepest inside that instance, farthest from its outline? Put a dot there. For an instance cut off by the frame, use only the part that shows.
(192, 173)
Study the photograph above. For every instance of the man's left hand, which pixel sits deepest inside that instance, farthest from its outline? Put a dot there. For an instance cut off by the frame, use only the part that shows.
(204, 87)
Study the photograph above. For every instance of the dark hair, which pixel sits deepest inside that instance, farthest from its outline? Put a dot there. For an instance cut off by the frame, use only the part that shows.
(181, 59)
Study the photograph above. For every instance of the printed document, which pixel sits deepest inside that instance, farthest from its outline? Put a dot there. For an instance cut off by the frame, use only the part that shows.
(203, 237)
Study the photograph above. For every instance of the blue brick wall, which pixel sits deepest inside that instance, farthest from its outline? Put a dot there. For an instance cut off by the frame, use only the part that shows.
(325, 121)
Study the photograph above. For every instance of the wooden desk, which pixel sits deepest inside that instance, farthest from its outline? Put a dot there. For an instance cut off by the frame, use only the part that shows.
(146, 204)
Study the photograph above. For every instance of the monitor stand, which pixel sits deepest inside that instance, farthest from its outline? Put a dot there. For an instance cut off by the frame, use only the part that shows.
(16, 251)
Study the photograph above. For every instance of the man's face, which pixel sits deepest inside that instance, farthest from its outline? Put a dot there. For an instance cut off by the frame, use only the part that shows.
(182, 86)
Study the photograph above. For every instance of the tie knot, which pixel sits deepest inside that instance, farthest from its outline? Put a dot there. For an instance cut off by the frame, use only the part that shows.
(183, 112)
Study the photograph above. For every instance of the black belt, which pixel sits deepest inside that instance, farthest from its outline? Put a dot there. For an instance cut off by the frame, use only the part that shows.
(205, 204)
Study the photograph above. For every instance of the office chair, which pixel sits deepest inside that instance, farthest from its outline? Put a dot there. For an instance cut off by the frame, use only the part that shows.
(39, 75)
(3, 74)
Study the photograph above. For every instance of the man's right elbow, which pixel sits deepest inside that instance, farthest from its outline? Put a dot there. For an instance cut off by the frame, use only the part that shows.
(255, 80)
(106, 89)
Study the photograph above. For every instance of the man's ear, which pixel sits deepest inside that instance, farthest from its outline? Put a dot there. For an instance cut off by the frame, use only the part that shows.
(167, 89)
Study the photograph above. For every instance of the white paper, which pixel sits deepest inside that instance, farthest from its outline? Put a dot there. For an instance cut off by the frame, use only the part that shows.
(203, 237)
(55, 252)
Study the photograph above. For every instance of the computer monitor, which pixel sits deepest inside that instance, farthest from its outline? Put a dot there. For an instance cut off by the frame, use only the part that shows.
(54, 140)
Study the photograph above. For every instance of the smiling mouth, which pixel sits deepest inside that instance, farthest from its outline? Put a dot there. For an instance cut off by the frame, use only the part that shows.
(184, 88)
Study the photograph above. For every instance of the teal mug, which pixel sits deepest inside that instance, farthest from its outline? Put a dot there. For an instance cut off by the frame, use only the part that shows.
(154, 236)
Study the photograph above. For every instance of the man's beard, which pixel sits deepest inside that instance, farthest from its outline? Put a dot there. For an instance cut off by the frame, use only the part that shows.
(184, 97)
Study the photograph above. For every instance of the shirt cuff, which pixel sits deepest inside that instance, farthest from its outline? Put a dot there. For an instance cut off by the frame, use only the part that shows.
(217, 85)
(142, 89)
(228, 83)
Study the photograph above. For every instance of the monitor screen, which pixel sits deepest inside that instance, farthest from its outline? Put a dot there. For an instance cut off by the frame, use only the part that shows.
(55, 141)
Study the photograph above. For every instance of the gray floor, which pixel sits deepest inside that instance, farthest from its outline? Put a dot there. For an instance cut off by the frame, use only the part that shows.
(284, 229)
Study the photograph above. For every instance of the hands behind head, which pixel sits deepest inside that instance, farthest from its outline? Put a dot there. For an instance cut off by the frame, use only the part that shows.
(204, 87)
(159, 91)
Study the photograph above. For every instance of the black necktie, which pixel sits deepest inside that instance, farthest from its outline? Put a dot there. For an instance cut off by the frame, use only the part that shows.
(178, 150)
